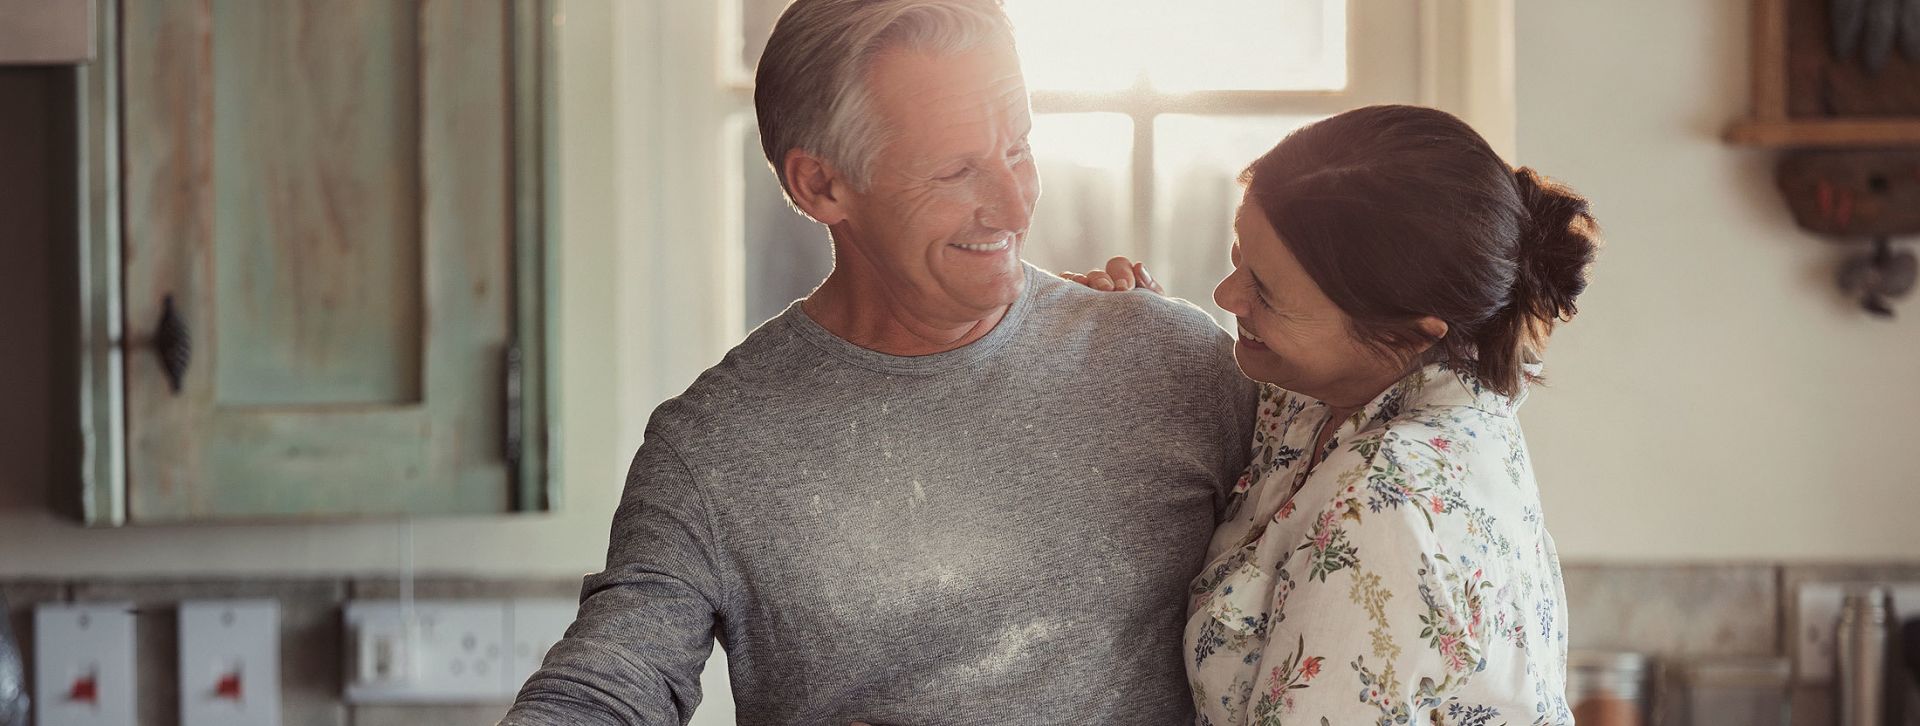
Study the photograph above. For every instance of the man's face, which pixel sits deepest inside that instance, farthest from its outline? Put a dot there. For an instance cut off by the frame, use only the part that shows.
(945, 217)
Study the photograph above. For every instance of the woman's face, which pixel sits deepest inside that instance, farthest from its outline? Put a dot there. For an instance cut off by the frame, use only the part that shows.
(1290, 334)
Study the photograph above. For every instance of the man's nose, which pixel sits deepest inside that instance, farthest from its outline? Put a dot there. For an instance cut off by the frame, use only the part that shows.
(1005, 203)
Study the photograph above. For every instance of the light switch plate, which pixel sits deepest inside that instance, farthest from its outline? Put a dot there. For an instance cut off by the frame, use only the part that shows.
(230, 662)
(454, 652)
(83, 670)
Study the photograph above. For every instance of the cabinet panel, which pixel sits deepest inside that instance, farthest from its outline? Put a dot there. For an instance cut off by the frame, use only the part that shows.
(325, 198)
(316, 200)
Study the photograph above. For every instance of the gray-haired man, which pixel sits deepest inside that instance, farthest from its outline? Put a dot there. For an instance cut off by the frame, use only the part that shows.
(945, 488)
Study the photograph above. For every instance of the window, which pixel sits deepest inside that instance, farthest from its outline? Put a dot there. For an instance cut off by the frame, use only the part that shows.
(1145, 112)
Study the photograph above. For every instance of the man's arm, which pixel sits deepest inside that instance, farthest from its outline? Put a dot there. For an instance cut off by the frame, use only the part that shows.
(635, 653)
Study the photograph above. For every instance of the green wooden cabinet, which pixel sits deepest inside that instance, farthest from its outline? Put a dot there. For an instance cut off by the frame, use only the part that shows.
(315, 270)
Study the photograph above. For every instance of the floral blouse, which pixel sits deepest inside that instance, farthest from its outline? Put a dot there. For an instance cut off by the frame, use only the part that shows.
(1406, 579)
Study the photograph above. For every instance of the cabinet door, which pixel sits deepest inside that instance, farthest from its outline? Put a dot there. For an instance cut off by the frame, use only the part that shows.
(322, 195)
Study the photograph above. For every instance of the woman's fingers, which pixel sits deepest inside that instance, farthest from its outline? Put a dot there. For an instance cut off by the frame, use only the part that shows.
(1120, 269)
(1146, 280)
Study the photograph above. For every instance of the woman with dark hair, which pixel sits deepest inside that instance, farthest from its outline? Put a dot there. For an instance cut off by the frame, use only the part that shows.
(1384, 559)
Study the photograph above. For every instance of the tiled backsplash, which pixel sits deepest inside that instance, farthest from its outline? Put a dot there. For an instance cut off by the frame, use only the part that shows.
(1670, 611)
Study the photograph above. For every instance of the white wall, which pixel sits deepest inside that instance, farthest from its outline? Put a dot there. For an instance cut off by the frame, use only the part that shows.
(1717, 399)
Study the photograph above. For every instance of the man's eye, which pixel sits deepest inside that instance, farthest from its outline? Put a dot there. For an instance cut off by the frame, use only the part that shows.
(956, 176)
(1020, 152)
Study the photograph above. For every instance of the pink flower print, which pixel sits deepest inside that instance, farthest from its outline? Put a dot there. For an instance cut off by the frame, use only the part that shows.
(1441, 444)
(1439, 507)
(1310, 668)
(1245, 482)
(1451, 650)
(1323, 534)
(1286, 510)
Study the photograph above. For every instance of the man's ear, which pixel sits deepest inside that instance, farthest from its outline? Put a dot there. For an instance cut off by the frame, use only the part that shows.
(817, 188)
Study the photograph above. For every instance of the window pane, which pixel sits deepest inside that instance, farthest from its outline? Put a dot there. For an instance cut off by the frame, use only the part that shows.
(786, 254)
(1264, 45)
(755, 22)
(1108, 45)
(1197, 163)
(1085, 162)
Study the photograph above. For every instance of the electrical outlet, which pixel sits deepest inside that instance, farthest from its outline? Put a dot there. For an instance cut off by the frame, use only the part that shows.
(1814, 641)
(533, 626)
(442, 651)
(83, 664)
(230, 662)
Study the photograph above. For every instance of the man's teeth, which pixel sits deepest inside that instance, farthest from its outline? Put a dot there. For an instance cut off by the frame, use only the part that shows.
(995, 246)
(1250, 336)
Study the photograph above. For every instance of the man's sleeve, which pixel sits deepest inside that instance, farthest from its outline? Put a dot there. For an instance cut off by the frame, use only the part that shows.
(1240, 402)
(635, 653)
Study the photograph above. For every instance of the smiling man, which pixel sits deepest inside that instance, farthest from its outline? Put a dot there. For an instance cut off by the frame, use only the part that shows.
(946, 488)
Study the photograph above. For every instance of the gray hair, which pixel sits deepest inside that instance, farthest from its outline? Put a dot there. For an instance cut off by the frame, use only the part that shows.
(810, 90)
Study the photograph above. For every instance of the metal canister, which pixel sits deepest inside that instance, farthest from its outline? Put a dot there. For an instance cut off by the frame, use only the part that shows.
(1863, 633)
(1609, 688)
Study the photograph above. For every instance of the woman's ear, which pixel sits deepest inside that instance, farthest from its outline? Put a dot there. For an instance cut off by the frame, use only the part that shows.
(1433, 329)
(816, 187)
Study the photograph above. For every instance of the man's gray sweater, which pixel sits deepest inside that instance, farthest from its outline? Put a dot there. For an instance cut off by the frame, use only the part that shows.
(999, 534)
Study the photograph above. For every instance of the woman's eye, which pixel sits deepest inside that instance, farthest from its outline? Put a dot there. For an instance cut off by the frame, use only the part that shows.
(1258, 295)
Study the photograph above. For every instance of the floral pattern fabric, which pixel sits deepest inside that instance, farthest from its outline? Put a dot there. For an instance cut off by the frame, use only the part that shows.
(1407, 578)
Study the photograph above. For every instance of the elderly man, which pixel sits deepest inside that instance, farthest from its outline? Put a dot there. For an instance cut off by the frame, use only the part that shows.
(946, 487)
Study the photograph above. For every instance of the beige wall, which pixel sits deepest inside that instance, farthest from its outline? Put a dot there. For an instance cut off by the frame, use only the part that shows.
(1718, 399)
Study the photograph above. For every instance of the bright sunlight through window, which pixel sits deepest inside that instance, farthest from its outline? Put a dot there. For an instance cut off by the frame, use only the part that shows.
(1199, 45)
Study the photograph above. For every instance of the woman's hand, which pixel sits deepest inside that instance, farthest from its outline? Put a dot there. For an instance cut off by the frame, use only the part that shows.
(1120, 275)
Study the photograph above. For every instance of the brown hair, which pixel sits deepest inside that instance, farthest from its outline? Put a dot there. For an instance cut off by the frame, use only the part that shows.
(1403, 212)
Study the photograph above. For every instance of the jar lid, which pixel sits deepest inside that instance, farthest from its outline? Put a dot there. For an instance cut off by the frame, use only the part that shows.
(1623, 662)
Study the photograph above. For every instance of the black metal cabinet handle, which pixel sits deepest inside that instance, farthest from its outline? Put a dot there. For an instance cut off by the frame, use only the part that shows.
(174, 344)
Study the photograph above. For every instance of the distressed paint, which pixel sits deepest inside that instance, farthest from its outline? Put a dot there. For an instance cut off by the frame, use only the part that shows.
(331, 202)
(316, 209)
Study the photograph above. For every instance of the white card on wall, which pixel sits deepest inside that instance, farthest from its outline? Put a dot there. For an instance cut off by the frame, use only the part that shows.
(230, 662)
(83, 670)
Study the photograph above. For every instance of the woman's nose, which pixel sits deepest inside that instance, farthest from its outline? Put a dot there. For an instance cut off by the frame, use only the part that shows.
(1227, 296)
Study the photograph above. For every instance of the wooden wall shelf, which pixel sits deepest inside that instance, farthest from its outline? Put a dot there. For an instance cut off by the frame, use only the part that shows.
(1792, 65)
(1824, 133)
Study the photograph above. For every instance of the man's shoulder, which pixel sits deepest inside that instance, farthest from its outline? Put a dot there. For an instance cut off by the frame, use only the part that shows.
(743, 384)
(1138, 314)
